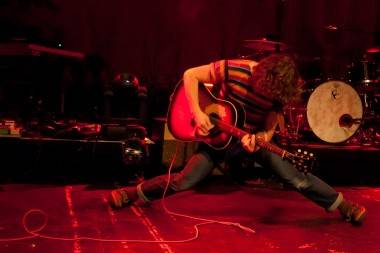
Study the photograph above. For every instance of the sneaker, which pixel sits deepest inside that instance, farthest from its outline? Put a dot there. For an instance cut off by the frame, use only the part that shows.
(353, 213)
(118, 199)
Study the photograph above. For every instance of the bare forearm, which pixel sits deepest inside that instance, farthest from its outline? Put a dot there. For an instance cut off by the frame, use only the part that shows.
(191, 78)
(191, 90)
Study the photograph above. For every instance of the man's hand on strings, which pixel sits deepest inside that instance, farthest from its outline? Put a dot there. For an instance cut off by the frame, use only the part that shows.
(202, 123)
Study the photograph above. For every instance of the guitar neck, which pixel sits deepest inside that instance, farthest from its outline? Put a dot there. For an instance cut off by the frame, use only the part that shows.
(238, 133)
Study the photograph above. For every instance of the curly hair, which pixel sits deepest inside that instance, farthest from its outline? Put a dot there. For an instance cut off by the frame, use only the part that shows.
(277, 77)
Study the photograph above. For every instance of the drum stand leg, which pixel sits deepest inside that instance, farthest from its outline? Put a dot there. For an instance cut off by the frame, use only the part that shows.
(367, 136)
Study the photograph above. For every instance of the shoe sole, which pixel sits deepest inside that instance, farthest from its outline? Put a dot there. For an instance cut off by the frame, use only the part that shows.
(360, 218)
(115, 200)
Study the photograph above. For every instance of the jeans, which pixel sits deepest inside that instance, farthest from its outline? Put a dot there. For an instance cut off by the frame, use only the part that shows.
(202, 163)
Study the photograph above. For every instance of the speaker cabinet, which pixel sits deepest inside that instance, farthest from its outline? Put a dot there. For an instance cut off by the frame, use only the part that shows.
(169, 145)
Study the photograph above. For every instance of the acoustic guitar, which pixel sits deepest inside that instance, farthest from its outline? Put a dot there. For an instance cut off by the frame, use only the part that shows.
(226, 117)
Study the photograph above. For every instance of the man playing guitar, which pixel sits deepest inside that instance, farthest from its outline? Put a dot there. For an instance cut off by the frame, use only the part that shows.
(261, 89)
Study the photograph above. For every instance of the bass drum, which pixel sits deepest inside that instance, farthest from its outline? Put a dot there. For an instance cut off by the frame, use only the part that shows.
(334, 111)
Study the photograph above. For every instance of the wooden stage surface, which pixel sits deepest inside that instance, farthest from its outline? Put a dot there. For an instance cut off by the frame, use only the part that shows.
(283, 220)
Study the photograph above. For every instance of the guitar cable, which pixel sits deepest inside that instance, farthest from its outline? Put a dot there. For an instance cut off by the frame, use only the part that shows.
(36, 232)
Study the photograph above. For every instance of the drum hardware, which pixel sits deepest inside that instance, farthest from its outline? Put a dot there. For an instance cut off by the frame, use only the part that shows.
(370, 102)
(377, 137)
(296, 123)
(340, 110)
(364, 74)
(365, 137)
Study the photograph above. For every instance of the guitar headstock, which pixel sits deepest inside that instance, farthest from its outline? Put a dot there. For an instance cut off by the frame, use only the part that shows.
(303, 160)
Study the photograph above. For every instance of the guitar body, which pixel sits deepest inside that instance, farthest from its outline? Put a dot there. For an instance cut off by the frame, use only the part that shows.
(227, 118)
(181, 123)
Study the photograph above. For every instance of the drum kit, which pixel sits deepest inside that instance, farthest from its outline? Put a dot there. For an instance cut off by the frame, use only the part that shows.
(334, 110)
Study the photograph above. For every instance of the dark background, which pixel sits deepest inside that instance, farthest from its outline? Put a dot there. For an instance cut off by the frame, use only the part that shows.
(158, 40)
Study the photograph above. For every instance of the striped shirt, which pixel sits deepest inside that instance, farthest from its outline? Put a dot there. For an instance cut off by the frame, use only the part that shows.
(233, 84)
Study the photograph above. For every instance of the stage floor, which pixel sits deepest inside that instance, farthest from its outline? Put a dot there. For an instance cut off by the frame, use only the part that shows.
(282, 219)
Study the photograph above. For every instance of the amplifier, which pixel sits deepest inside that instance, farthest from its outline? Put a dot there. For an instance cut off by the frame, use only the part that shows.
(169, 144)
(68, 159)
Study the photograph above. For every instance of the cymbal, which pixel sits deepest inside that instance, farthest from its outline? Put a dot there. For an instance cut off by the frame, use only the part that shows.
(373, 50)
(334, 111)
(265, 45)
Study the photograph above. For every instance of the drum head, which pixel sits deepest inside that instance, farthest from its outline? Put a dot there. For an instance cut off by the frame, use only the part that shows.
(329, 107)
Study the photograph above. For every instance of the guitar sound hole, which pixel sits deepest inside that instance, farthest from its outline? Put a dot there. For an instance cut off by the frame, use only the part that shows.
(215, 131)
